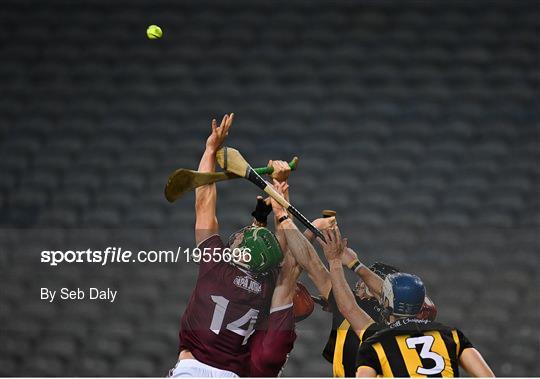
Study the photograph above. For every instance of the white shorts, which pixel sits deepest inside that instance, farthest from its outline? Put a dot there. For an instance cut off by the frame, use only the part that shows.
(194, 368)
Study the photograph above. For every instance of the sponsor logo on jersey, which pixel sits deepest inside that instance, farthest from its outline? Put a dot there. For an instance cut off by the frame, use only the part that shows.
(247, 283)
(406, 321)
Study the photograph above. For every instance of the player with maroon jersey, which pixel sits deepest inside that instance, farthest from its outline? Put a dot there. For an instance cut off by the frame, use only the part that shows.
(271, 345)
(231, 301)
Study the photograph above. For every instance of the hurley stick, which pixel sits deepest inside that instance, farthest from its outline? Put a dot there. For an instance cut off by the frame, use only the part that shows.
(328, 213)
(231, 160)
(184, 180)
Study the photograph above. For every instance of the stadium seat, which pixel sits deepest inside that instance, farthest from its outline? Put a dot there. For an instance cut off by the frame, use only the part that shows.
(418, 124)
(92, 366)
(137, 365)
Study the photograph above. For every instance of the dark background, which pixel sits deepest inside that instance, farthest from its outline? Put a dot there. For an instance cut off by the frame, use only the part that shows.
(419, 122)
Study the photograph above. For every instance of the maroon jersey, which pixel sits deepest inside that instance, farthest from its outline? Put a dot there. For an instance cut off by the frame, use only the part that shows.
(225, 308)
(270, 347)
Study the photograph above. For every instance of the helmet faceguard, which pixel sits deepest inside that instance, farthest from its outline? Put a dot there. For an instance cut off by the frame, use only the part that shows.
(263, 247)
(234, 235)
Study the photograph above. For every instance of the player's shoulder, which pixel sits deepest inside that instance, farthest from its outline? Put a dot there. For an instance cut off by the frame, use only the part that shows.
(435, 325)
(440, 326)
(449, 330)
(411, 325)
(213, 241)
(370, 331)
(378, 332)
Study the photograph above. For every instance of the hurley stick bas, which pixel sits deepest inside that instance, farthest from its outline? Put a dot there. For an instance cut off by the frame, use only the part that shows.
(184, 180)
(231, 160)
(328, 213)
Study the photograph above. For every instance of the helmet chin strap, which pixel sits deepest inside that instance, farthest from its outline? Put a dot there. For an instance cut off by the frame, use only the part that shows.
(386, 312)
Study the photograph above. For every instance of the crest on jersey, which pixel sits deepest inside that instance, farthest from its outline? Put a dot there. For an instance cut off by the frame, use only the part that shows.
(248, 283)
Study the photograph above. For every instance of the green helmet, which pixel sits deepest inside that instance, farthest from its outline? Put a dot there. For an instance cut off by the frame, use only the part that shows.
(263, 247)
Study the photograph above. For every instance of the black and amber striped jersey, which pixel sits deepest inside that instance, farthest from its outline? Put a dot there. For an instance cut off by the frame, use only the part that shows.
(412, 347)
(343, 342)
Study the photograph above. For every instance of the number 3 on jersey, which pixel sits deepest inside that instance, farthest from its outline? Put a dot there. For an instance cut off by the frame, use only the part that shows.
(426, 343)
(235, 326)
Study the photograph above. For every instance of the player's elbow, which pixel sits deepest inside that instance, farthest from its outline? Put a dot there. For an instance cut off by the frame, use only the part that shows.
(365, 372)
(270, 363)
(473, 362)
(271, 355)
(206, 223)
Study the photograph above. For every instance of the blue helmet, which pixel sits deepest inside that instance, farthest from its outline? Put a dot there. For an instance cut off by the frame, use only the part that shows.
(405, 294)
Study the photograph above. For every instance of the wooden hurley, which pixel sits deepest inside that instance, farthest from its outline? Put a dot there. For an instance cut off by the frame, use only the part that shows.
(231, 160)
(184, 180)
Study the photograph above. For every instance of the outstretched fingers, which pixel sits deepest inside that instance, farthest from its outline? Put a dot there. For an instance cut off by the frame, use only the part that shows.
(330, 236)
(224, 122)
(338, 234)
(229, 122)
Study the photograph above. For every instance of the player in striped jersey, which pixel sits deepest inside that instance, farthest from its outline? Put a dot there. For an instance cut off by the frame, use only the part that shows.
(406, 346)
(343, 342)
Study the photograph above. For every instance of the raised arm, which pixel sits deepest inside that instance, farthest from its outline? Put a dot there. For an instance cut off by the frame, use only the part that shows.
(286, 283)
(333, 249)
(307, 258)
(317, 271)
(302, 250)
(280, 174)
(206, 223)
(472, 361)
(373, 281)
(270, 348)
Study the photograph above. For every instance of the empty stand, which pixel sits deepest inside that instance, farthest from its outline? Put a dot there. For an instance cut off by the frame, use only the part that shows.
(417, 122)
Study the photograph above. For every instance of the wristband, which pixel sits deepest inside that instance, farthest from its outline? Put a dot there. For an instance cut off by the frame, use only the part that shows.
(355, 265)
(282, 218)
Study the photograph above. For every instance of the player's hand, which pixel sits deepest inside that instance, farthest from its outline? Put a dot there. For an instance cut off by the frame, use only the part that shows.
(281, 188)
(334, 245)
(348, 256)
(218, 135)
(325, 223)
(261, 212)
(281, 170)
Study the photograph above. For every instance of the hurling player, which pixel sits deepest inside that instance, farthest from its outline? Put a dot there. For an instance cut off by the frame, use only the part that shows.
(406, 345)
(271, 345)
(229, 301)
(343, 342)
